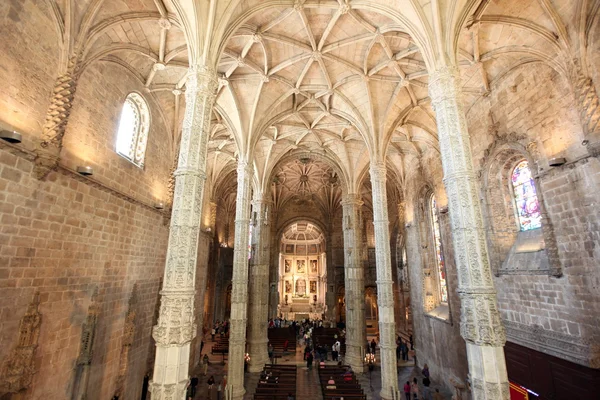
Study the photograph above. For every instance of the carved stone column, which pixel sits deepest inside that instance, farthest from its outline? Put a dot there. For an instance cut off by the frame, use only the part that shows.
(57, 117)
(176, 327)
(259, 285)
(354, 282)
(480, 324)
(239, 282)
(385, 294)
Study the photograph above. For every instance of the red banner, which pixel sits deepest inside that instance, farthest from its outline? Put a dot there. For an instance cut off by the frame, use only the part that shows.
(518, 392)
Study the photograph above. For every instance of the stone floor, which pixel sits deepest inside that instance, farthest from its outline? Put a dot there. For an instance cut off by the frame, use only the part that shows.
(308, 381)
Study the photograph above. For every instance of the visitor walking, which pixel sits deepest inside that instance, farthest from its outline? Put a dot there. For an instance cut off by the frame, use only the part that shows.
(309, 360)
(426, 390)
(373, 346)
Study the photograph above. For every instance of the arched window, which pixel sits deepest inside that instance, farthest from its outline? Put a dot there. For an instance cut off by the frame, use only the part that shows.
(526, 200)
(439, 254)
(134, 124)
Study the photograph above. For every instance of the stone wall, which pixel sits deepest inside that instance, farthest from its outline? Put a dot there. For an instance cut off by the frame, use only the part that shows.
(65, 237)
(533, 109)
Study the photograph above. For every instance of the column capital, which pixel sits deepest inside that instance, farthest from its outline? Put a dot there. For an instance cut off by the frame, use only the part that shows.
(378, 171)
(352, 199)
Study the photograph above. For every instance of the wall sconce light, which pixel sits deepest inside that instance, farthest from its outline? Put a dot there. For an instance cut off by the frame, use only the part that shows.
(408, 225)
(10, 136)
(444, 210)
(557, 161)
(85, 170)
(159, 205)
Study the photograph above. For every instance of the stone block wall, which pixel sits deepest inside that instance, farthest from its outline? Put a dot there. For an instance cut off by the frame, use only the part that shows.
(65, 238)
(533, 109)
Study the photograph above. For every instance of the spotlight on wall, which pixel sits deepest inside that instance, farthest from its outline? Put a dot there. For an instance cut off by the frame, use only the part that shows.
(85, 170)
(159, 205)
(10, 136)
(444, 210)
(557, 161)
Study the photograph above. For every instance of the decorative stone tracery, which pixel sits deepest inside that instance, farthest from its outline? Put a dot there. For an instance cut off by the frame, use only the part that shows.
(19, 369)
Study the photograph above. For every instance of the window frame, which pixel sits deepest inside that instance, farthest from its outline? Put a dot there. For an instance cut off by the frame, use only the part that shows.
(513, 194)
(143, 129)
(433, 212)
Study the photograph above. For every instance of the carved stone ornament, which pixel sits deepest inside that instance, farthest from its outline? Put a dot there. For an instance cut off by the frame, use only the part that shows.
(19, 368)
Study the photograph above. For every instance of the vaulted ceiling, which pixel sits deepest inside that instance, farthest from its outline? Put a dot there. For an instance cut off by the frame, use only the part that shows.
(340, 81)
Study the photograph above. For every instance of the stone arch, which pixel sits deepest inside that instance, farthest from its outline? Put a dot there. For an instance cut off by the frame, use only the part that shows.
(503, 231)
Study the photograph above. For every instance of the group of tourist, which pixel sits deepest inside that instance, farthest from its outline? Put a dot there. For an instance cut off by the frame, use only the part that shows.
(402, 348)
(219, 328)
(413, 392)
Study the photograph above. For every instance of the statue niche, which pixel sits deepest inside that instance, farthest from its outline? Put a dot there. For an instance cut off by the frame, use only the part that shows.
(300, 287)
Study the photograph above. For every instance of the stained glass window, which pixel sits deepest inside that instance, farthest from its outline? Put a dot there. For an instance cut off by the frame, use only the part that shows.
(526, 200)
(133, 129)
(439, 254)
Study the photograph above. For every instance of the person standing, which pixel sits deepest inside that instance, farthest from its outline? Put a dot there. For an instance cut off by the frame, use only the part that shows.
(414, 389)
(373, 346)
(426, 390)
(270, 352)
(205, 364)
(309, 360)
(407, 390)
(426, 371)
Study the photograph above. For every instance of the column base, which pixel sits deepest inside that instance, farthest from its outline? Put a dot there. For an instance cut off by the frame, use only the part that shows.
(258, 365)
(237, 394)
(354, 358)
(488, 382)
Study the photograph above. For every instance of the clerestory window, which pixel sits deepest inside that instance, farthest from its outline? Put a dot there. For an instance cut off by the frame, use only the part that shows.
(134, 125)
(525, 197)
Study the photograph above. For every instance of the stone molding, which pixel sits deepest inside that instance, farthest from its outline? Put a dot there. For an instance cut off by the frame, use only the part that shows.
(564, 346)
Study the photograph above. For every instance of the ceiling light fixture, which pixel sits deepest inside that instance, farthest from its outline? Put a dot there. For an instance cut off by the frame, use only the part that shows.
(10, 136)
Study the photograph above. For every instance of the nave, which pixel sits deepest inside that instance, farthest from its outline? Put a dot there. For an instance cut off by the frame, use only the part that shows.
(305, 384)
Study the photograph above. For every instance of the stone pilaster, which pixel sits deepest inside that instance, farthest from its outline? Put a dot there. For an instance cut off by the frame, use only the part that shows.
(57, 118)
(354, 282)
(330, 283)
(259, 284)
(480, 324)
(176, 327)
(239, 282)
(385, 293)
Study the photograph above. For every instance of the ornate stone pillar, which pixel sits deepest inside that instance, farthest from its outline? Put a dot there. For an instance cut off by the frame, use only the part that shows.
(259, 285)
(480, 324)
(57, 117)
(354, 282)
(176, 327)
(239, 282)
(385, 293)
